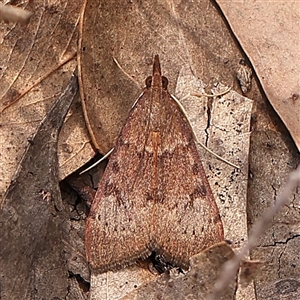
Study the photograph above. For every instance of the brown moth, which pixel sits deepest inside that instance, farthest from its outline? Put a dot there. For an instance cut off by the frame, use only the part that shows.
(154, 194)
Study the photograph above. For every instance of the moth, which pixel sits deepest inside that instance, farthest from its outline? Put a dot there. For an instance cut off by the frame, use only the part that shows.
(154, 194)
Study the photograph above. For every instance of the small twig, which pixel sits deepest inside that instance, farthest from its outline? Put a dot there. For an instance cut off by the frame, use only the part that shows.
(9, 13)
(230, 268)
(39, 80)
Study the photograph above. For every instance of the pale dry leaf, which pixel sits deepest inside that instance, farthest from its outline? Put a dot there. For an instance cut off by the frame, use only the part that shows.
(272, 159)
(28, 54)
(268, 32)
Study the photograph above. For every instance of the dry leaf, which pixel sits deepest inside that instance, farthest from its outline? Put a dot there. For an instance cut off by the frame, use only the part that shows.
(33, 216)
(195, 284)
(288, 288)
(28, 54)
(268, 31)
(248, 270)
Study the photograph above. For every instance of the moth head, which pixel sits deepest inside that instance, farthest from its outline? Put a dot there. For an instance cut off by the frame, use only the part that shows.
(164, 82)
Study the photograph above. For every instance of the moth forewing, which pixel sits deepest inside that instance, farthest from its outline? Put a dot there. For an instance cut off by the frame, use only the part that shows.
(154, 194)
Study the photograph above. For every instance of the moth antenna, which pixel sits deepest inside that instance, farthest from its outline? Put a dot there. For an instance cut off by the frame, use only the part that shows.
(98, 162)
(122, 69)
(194, 136)
(206, 95)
